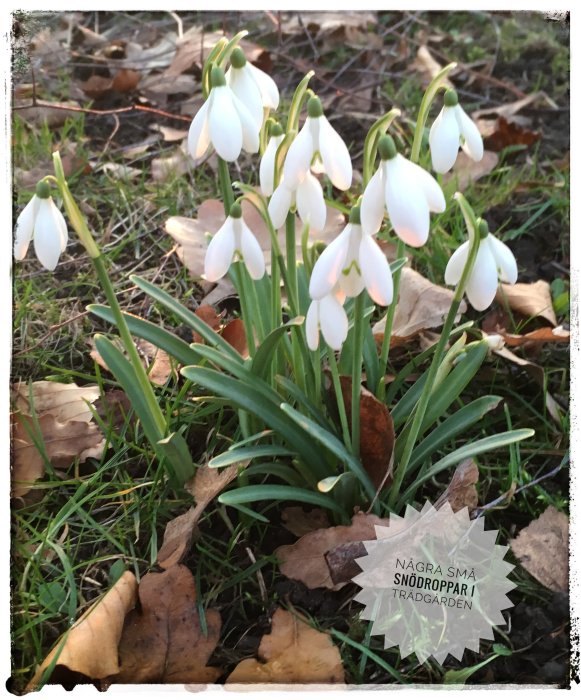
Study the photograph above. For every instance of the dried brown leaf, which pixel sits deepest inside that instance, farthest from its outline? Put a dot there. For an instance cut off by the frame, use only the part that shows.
(210, 317)
(97, 86)
(427, 66)
(543, 549)
(299, 521)
(64, 401)
(163, 641)
(537, 337)
(235, 334)
(422, 305)
(530, 300)
(504, 132)
(292, 653)
(461, 491)
(509, 109)
(126, 80)
(305, 560)
(467, 171)
(90, 646)
(326, 22)
(179, 532)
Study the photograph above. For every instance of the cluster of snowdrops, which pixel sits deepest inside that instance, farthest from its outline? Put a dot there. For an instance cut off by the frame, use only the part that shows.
(397, 195)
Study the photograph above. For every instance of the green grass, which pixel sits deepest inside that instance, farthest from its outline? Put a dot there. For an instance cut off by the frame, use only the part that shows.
(78, 534)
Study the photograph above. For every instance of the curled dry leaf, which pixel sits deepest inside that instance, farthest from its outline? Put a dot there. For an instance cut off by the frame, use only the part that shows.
(543, 549)
(529, 299)
(305, 560)
(64, 401)
(461, 491)
(292, 653)
(422, 305)
(179, 532)
(163, 641)
(502, 132)
(299, 521)
(427, 66)
(538, 337)
(90, 646)
(326, 22)
(377, 435)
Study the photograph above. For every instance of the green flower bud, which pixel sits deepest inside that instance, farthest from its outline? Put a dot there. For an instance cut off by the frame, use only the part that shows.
(238, 59)
(386, 147)
(43, 190)
(482, 229)
(355, 215)
(314, 108)
(276, 129)
(450, 98)
(236, 211)
(217, 77)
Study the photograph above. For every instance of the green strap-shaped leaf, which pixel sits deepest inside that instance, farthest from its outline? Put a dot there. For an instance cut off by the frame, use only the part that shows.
(266, 492)
(262, 360)
(245, 453)
(178, 456)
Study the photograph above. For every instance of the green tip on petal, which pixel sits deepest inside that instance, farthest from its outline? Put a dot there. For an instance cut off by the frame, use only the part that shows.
(482, 229)
(314, 108)
(238, 59)
(43, 190)
(276, 129)
(236, 211)
(355, 215)
(217, 77)
(386, 147)
(450, 98)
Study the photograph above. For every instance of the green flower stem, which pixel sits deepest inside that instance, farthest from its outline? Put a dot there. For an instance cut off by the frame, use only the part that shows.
(141, 374)
(385, 345)
(421, 406)
(291, 259)
(428, 98)
(225, 185)
(339, 395)
(237, 271)
(370, 146)
(358, 339)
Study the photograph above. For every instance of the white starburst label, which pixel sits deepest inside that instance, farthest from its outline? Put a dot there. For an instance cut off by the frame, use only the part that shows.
(434, 582)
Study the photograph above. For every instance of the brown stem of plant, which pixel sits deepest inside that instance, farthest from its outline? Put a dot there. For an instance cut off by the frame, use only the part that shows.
(87, 110)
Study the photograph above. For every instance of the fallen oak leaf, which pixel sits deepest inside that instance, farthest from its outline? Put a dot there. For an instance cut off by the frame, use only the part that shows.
(64, 401)
(293, 652)
(305, 559)
(90, 646)
(162, 640)
(543, 549)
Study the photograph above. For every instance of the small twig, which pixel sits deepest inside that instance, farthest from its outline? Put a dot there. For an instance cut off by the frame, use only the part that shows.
(112, 134)
(101, 112)
(52, 330)
(180, 24)
(259, 577)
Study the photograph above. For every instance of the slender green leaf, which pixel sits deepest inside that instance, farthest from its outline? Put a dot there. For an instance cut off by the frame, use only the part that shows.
(246, 453)
(187, 316)
(370, 654)
(492, 442)
(262, 360)
(266, 492)
(161, 338)
(178, 456)
(282, 471)
(303, 400)
(333, 444)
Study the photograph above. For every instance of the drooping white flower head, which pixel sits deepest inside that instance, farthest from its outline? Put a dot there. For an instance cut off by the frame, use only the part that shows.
(267, 163)
(308, 198)
(328, 316)
(252, 86)
(453, 128)
(233, 238)
(407, 191)
(353, 262)
(41, 221)
(494, 261)
(223, 122)
(318, 140)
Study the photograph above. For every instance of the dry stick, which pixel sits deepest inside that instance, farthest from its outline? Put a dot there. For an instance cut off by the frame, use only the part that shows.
(101, 112)
(51, 330)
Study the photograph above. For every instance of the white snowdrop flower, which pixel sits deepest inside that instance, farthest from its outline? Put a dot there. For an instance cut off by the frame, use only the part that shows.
(223, 122)
(328, 316)
(494, 261)
(453, 128)
(41, 222)
(494, 341)
(353, 262)
(233, 238)
(408, 192)
(318, 141)
(308, 198)
(267, 163)
(253, 87)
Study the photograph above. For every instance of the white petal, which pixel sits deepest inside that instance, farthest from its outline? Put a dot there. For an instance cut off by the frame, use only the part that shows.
(429, 185)
(251, 252)
(299, 156)
(473, 145)
(376, 272)
(225, 127)
(406, 203)
(312, 325)
(199, 133)
(279, 205)
(24, 228)
(267, 87)
(334, 322)
(250, 130)
(328, 267)
(483, 281)
(335, 155)
(505, 260)
(62, 225)
(266, 172)
(47, 234)
(220, 252)
(373, 203)
(352, 283)
(246, 90)
(456, 264)
(311, 203)
(444, 140)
